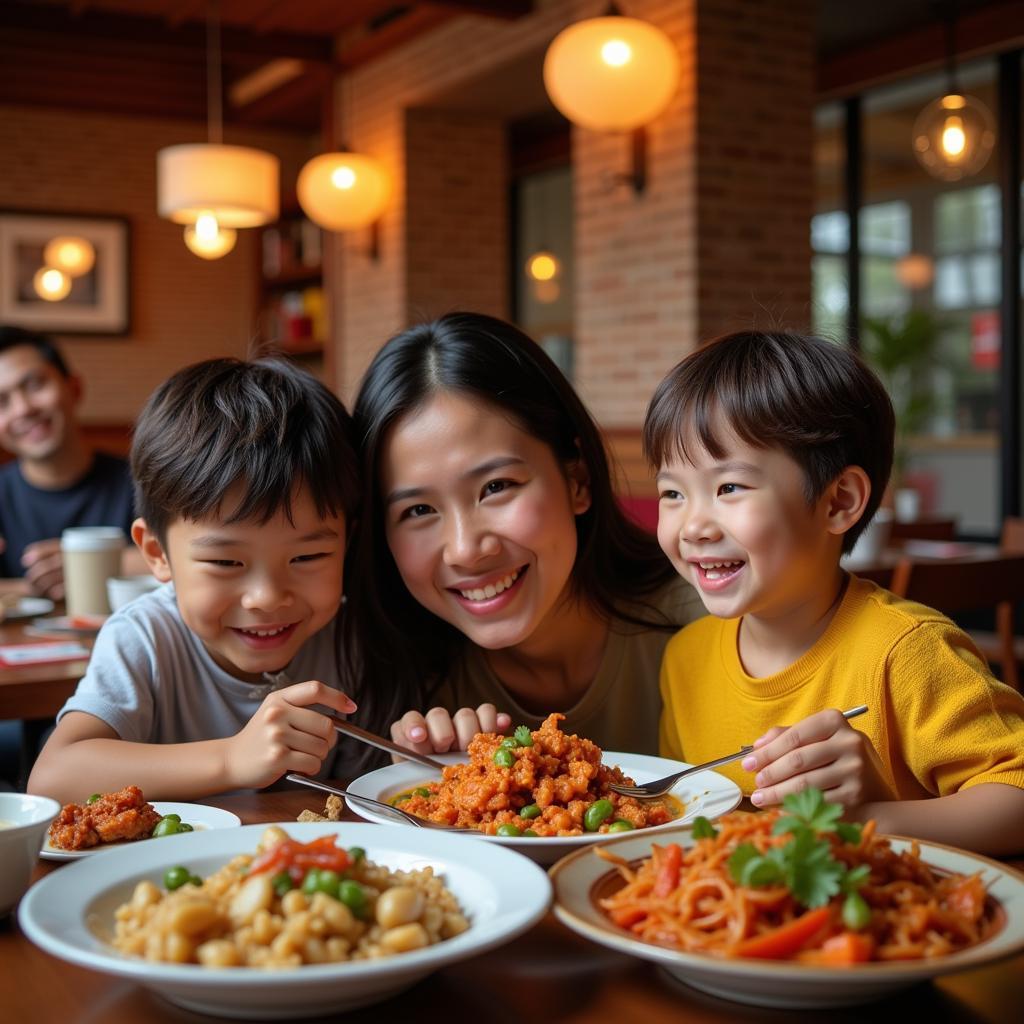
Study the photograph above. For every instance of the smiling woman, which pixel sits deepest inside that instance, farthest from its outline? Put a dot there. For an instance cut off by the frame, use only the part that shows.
(494, 565)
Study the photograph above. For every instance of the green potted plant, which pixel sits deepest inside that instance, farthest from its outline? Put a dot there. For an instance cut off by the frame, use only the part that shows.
(904, 351)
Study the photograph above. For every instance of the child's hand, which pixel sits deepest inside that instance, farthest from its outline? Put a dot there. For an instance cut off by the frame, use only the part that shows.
(823, 751)
(285, 735)
(440, 731)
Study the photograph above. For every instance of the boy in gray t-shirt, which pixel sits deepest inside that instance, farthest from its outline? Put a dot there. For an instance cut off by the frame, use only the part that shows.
(245, 481)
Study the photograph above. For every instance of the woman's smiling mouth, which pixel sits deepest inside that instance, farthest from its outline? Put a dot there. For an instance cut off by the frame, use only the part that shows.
(491, 596)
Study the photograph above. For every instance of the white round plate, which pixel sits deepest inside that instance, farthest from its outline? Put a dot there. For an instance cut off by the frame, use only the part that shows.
(785, 983)
(708, 794)
(502, 895)
(199, 816)
(27, 607)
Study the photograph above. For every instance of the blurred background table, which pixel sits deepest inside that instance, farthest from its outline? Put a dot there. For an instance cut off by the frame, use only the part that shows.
(549, 974)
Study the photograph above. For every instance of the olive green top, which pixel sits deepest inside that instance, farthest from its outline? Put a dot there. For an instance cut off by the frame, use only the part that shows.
(621, 708)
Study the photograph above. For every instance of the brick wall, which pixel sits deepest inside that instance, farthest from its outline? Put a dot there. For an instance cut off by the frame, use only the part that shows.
(183, 308)
(719, 239)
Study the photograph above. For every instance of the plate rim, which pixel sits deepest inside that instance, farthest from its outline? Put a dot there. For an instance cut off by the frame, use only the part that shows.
(683, 962)
(48, 852)
(50, 937)
(584, 841)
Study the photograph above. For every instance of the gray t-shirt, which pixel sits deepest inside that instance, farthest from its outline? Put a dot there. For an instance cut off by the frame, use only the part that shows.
(152, 681)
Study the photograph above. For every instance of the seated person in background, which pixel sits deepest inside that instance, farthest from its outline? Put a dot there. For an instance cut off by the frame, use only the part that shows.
(245, 481)
(772, 452)
(56, 480)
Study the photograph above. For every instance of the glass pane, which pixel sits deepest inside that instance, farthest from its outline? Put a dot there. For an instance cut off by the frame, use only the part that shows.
(830, 228)
(930, 275)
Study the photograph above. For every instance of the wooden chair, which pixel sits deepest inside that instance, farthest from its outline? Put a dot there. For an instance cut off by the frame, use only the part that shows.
(1011, 543)
(958, 586)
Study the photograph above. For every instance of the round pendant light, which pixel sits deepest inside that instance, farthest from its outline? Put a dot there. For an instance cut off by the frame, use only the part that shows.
(543, 265)
(343, 191)
(954, 136)
(611, 74)
(207, 239)
(73, 255)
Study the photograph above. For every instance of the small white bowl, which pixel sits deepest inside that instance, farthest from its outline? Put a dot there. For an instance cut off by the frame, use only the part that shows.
(23, 823)
(122, 589)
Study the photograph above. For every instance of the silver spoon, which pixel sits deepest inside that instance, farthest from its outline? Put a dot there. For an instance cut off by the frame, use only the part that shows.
(404, 816)
(659, 787)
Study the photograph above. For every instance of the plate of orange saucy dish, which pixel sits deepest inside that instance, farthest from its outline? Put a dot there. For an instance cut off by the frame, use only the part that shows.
(792, 907)
(543, 793)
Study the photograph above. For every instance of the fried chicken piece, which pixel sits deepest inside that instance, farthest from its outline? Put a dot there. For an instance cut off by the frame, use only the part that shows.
(115, 817)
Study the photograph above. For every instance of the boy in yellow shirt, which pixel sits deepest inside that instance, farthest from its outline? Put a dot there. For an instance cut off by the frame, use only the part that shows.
(772, 452)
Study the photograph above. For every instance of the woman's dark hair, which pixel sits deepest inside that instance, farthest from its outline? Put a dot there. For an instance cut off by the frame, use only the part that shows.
(265, 424)
(811, 398)
(408, 648)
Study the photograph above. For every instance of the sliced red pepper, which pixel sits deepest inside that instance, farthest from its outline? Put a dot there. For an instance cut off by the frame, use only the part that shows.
(668, 871)
(782, 942)
(320, 853)
(626, 917)
(841, 950)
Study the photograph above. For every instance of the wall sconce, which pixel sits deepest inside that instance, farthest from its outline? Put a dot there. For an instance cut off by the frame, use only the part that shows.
(613, 74)
(955, 134)
(543, 265)
(225, 186)
(51, 284)
(70, 254)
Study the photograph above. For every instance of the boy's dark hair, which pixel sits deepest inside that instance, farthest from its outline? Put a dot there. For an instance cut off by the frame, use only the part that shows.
(265, 424)
(11, 337)
(813, 399)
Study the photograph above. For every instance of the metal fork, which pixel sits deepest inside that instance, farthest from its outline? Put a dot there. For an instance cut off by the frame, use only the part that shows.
(397, 812)
(659, 787)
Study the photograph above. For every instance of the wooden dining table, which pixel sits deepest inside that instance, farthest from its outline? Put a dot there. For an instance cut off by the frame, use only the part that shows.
(37, 691)
(549, 974)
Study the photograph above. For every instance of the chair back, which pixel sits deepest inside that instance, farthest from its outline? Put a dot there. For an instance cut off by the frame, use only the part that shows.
(1012, 540)
(966, 585)
(922, 529)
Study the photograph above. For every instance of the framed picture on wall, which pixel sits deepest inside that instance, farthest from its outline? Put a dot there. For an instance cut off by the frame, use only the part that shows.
(65, 273)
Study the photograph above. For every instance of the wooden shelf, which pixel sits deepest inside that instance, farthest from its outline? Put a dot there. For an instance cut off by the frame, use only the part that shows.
(291, 277)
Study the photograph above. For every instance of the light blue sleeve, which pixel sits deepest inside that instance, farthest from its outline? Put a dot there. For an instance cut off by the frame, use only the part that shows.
(118, 686)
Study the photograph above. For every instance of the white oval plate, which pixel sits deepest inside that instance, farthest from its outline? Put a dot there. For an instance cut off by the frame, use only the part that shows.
(502, 894)
(199, 816)
(27, 607)
(784, 983)
(708, 794)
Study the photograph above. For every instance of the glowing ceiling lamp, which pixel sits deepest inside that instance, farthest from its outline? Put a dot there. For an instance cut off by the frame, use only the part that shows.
(208, 239)
(613, 74)
(237, 186)
(343, 191)
(543, 266)
(51, 284)
(954, 135)
(71, 254)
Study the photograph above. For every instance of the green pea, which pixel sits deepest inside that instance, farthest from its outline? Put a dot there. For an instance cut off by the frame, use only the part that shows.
(328, 881)
(856, 912)
(195, 880)
(529, 832)
(523, 736)
(184, 826)
(92, 799)
(530, 811)
(421, 791)
(596, 814)
(509, 830)
(282, 883)
(353, 896)
(310, 881)
(504, 757)
(176, 877)
(401, 798)
(620, 825)
(509, 743)
(166, 827)
(357, 853)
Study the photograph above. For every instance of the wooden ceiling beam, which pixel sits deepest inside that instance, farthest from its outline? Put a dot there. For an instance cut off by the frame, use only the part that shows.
(507, 9)
(187, 40)
(989, 30)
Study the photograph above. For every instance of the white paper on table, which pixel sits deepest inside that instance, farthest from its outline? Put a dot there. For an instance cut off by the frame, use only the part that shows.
(36, 654)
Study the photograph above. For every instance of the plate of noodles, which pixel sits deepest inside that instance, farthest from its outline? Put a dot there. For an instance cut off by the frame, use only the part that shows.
(286, 920)
(786, 909)
(543, 793)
